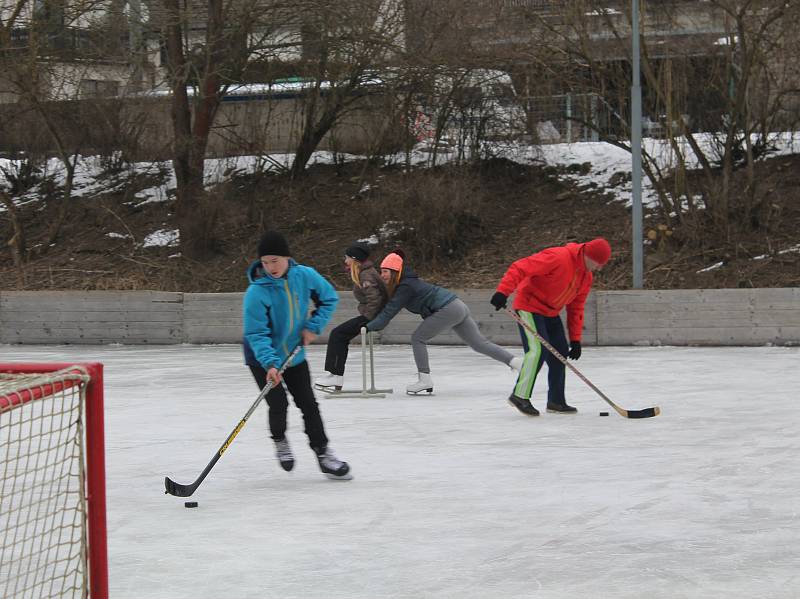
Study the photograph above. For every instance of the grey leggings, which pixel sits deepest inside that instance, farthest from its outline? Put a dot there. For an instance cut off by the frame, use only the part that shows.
(455, 316)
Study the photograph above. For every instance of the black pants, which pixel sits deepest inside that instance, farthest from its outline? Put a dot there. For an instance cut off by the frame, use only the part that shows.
(298, 380)
(339, 341)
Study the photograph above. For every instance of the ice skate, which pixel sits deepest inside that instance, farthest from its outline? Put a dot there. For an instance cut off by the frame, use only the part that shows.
(332, 467)
(523, 405)
(329, 382)
(424, 384)
(284, 454)
(560, 408)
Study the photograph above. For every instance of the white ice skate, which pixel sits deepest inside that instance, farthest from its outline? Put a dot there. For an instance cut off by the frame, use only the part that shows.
(329, 382)
(424, 384)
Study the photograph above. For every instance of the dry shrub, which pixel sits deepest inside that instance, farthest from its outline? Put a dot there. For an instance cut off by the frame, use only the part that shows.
(435, 215)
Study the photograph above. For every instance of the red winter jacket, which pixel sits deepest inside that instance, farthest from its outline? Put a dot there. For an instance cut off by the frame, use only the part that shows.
(549, 280)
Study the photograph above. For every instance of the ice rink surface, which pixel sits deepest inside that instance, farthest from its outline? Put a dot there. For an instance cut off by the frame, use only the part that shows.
(457, 495)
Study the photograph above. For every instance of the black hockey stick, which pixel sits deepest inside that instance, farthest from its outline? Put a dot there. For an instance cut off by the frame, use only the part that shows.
(646, 413)
(180, 490)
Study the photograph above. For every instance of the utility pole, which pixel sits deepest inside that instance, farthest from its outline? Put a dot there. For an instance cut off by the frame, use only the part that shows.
(636, 151)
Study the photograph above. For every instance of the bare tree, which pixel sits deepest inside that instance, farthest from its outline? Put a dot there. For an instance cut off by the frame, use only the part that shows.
(335, 47)
(753, 75)
(348, 49)
(725, 75)
(43, 63)
(192, 119)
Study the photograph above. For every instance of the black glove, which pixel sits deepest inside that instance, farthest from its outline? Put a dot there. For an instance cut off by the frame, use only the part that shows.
(574, 350)
(498, 300)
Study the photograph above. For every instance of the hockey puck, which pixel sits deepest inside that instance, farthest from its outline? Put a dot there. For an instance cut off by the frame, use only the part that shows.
(190, 504)
(604, 413)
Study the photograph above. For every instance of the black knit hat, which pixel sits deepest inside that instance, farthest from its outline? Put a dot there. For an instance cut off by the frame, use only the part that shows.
(273, 244)
(358, 251)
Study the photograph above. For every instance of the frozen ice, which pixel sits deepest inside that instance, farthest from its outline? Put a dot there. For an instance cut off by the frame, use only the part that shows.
(457, 495)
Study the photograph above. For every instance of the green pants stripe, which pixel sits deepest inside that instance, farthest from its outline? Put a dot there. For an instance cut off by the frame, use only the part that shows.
(531, 361)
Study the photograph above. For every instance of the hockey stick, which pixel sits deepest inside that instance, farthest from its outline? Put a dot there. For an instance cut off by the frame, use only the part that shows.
(646, 413)
(179, 490)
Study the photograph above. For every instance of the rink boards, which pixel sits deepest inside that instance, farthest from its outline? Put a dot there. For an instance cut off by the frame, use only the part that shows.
(641, 317)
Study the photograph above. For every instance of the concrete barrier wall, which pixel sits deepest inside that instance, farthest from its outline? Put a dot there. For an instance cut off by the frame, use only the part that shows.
(91, 317)
(699, 317)
(670, 317)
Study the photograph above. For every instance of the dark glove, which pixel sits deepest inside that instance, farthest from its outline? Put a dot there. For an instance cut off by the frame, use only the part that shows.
(499, 300)
(574, 350)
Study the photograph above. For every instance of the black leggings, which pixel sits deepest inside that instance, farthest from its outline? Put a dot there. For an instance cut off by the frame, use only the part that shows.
(339, 341)
(298, 381)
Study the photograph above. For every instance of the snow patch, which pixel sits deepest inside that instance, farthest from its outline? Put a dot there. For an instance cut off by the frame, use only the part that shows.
(371, 240)
(162, 238)
(789, 250)
(712, 267)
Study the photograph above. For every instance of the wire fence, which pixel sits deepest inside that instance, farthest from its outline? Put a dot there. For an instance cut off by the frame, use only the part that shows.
(565, 118)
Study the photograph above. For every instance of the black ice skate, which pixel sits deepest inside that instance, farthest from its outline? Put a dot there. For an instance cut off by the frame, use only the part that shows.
(523, 405)
(332, 467)
(284, 453)
(561, 408)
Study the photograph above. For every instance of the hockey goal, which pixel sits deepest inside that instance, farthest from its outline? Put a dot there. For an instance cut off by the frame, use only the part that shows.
(52, 481)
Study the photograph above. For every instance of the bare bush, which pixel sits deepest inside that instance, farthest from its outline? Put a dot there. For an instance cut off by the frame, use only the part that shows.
(436, 215)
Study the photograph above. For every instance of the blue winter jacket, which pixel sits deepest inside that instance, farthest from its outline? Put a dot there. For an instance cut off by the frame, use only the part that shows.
(415, 295)
(277, 310)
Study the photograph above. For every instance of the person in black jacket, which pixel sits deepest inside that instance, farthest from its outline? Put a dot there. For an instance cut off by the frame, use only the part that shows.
(441, 311)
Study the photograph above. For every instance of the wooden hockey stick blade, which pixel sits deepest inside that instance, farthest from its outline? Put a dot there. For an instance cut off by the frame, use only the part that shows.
(646, 413)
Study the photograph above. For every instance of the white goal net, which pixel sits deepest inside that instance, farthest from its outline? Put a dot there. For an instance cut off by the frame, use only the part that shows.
(43, 490)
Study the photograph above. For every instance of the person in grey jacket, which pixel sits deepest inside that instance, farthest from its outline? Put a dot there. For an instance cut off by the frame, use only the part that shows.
(441, 311)
(371, 294)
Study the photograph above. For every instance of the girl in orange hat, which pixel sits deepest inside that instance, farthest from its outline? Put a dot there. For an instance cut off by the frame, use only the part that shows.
(441, 311)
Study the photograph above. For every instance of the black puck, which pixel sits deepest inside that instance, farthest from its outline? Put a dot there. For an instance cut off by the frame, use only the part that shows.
(604, 413)
(190, 504)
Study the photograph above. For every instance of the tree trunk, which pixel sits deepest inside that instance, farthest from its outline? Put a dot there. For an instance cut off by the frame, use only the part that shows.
(17, 244)
(193, 212)
(55, 224)
(312, 136)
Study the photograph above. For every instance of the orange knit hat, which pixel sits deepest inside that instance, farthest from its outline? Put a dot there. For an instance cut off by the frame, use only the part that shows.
(598, 250)
(393, 261)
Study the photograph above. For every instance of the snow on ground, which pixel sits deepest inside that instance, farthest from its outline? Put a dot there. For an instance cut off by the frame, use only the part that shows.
(457, 495)
(607, 160)
(92, 175)
(603, 161)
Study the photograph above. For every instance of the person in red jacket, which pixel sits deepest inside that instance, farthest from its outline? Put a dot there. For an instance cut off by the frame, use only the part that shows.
(545, 283)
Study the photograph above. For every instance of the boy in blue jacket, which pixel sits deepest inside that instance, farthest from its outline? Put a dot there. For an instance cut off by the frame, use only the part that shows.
(276, 320)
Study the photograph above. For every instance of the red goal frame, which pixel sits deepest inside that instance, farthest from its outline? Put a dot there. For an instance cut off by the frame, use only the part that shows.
(95, 491)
